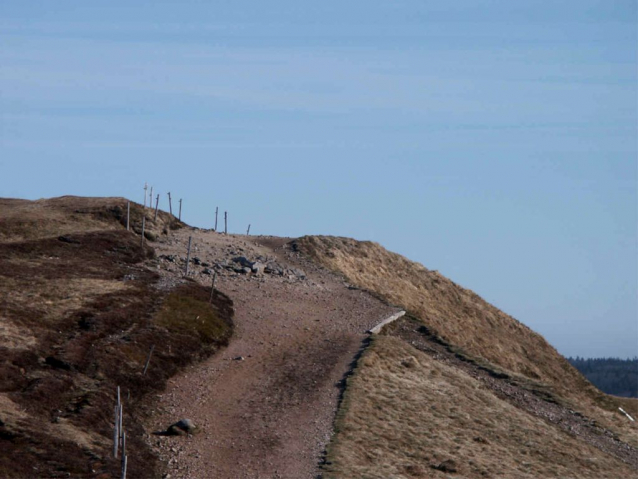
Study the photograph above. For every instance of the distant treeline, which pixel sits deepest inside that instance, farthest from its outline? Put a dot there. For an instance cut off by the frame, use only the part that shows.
(611, 375)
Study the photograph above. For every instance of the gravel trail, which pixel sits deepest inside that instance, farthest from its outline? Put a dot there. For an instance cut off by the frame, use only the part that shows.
(266, 404)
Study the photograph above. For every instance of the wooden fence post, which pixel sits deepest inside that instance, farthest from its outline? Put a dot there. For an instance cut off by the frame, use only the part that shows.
(248, 231)
(216, 211)
(225, 222)
(170, 204)
(180, 210)
(188, 256)
(124, 466)
(123, 447)
(116, 431)
(145, 188)
(156, 207)
(148, 360)
(128, 216)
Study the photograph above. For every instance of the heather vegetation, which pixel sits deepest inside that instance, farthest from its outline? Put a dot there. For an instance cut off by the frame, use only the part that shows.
(80, 312)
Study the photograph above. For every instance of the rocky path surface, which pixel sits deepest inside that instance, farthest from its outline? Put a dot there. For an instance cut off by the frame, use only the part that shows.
(266, 404)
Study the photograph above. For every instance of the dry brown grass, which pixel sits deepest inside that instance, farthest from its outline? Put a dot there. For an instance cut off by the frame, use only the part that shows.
(466, 321)
(405, 413)
(30, 220)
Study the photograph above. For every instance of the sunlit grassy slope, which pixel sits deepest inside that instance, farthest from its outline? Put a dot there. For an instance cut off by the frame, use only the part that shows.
(406, 415)
(471, 326)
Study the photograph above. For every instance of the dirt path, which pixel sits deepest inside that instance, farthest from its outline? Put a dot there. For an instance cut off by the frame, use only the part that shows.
(270, 414)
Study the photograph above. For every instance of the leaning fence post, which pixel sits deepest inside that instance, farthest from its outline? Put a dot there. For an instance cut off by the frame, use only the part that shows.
(128, 215)
(216, 211)
(156, 207)
(188, 255)
(248, 231)
(225, 222)
(180, 210)
(212, 290)
(170, 204)
(148, 360)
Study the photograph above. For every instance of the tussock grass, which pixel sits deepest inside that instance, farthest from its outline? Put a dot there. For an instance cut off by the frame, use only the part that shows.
(404, 414)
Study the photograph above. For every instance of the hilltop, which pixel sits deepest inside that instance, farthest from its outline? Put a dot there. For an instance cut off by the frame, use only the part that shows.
(276, 366)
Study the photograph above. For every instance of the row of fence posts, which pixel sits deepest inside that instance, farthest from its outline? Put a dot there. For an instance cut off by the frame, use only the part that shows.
(119, 436)
(128, 216)
(170, 210)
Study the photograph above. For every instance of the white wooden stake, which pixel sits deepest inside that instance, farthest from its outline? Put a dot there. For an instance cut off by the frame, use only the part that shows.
(145, 188)
(626, 414)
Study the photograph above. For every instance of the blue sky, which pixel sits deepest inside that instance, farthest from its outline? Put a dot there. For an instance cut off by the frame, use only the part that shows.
(494, 141)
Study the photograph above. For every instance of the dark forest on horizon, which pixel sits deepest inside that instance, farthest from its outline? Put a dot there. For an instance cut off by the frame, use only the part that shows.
(611, 375)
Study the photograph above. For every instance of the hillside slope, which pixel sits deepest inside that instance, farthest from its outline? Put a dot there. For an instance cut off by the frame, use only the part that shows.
(79, 312)
(473, 329)
(408, 414)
